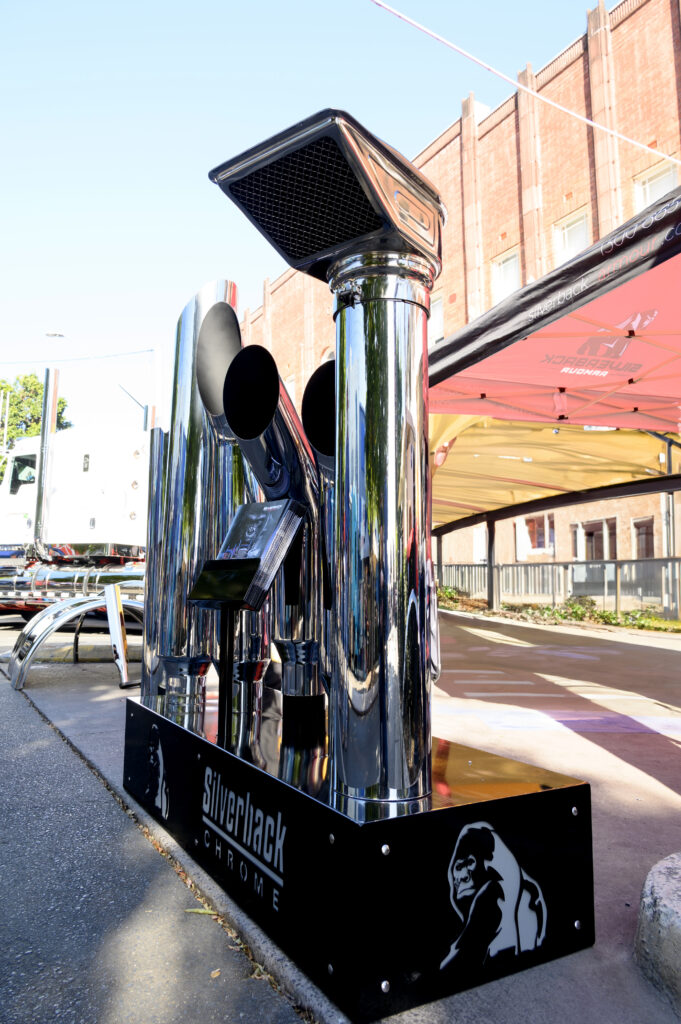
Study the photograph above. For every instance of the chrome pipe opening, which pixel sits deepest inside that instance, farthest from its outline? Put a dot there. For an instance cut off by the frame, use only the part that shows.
(218, 342)
(250, 393)
(319, 412)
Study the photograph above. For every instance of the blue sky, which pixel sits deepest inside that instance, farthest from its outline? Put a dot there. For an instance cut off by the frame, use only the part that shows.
(114, 114)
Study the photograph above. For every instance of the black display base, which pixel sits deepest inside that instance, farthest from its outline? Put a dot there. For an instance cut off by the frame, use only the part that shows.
(385, 914)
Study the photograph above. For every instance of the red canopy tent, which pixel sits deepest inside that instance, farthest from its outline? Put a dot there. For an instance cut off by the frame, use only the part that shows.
(596, 342)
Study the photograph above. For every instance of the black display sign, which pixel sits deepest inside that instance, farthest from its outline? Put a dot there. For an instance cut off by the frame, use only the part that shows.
(259, 537)
(387, 914)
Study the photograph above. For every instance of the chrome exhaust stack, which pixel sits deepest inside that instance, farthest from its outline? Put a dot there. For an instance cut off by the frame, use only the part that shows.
(284, 819)
(273, 442)
(358, 215)
(201, 483)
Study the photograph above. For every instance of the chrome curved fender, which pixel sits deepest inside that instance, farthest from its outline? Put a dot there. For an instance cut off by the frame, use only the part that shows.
(45, 623)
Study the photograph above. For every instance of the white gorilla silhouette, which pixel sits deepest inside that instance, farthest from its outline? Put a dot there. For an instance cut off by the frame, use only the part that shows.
(501, 908)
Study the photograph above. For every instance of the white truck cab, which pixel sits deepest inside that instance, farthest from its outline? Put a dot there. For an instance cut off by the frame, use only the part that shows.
(95, 502)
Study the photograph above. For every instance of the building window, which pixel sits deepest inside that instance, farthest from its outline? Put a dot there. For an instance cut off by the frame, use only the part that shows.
(570, 237)
(593, 541)
(536, 531)
(600, 540)
(480, 543)
(541, 532)
(436, 323)
(505, 276)
(644, 538)
(654, 184)
(534, 535)
(577, 540)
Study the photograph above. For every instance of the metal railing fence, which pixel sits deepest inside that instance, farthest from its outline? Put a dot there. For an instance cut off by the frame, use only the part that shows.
(615, 585)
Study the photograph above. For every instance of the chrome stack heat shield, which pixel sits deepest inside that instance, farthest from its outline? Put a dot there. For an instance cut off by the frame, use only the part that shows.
(354, 212)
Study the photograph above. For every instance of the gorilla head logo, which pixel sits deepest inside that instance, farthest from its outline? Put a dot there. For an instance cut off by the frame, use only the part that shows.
(156, 790)
(500, 908)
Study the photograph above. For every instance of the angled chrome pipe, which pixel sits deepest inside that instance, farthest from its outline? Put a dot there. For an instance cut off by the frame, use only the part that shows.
(265, 424)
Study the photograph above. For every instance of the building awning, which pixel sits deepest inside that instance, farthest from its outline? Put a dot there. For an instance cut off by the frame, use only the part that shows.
(594, 344)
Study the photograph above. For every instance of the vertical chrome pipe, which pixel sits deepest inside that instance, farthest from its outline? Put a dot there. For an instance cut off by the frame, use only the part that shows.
(252, 650)
(154, 561)
(199, 490)
(319, 422)
(272, 440)
(380, 692)
(48, 425)
(340, 205)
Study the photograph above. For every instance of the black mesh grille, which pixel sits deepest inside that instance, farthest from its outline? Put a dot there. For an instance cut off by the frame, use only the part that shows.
(307, 201)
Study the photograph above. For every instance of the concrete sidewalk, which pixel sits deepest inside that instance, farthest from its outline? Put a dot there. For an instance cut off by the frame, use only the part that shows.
(97, 926)
(94, 917)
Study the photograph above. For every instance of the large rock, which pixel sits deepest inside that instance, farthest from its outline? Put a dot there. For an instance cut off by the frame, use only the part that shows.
(657, 947)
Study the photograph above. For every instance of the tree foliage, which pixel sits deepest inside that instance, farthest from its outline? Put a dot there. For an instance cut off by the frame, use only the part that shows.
(25, 409)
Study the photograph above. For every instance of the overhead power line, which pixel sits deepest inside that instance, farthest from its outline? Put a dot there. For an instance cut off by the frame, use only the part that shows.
(524, 88)
(74, 359)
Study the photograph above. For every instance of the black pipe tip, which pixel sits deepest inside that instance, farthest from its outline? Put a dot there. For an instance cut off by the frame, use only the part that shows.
(251, 392)
(319, 409)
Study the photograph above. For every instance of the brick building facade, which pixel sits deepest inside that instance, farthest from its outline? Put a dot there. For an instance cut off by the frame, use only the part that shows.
(526, 187)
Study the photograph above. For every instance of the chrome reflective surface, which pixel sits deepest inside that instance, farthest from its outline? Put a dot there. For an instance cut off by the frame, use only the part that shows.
(119, 639)
(413, 204)
(303, 752)
(39, 584)
(434, 660)
(201, 483)
(380, 689)
(271, 438)
(319, 423)
(46, 622)
(152, 579)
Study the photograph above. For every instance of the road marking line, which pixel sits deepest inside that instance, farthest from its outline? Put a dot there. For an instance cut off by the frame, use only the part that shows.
(512, 693)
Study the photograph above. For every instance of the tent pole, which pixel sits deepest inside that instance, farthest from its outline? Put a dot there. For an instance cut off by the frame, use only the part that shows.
(491, 589)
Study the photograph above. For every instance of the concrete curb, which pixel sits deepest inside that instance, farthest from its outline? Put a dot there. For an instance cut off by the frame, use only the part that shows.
(657, 947)
(302, 992)
(297, 987)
